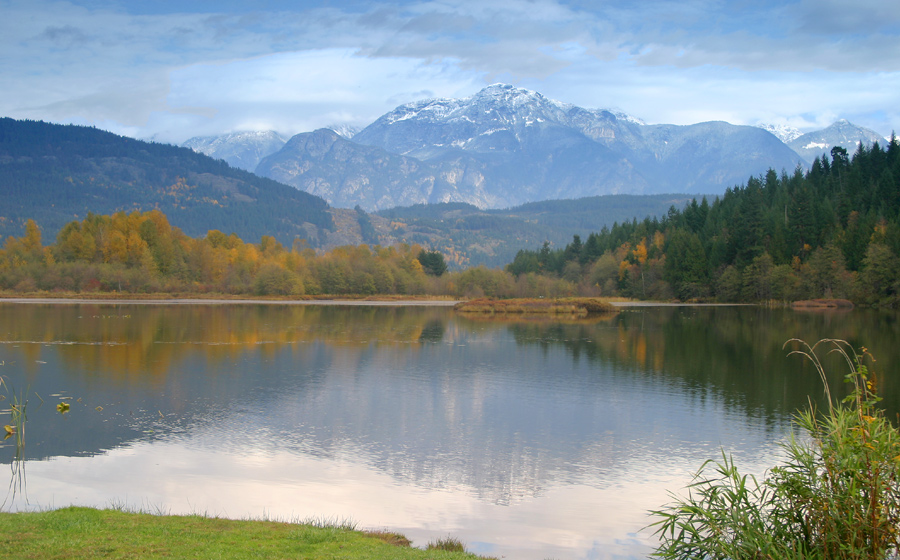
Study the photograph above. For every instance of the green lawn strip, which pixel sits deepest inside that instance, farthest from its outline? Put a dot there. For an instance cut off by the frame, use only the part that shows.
(77, 532)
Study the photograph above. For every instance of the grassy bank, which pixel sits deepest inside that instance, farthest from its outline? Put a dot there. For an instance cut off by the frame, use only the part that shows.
(77, 532)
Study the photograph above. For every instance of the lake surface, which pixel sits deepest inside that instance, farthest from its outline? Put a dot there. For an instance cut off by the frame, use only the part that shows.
(525, 439)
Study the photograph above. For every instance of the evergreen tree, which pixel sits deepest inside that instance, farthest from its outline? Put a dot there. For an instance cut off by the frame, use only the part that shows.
(432, 262)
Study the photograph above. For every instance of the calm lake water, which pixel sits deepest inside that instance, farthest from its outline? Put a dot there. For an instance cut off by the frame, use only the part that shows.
(525, 439)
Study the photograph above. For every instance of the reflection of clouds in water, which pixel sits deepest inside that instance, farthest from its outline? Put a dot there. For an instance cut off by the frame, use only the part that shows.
(565, 520)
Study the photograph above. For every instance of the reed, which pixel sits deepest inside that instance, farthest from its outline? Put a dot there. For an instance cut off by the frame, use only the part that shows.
(18, 414)
(837, 496)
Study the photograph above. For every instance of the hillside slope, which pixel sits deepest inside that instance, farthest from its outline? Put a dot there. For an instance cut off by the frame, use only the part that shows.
(58, 173)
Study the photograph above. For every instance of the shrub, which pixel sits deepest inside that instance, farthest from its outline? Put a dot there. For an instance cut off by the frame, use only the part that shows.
(275, 280)
(836, 497)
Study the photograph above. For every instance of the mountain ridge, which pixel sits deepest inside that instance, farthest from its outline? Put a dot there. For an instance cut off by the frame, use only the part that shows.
(506, 146)
(57, 173)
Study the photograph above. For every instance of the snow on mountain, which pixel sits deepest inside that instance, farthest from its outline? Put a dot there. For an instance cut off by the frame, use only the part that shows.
(463, 123)
(243, 150)
(783, 132)
(841, 133)
(505, 146)
(344, 130)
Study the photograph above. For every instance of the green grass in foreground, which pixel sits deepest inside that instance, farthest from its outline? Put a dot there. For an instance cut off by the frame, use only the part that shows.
(77, 532)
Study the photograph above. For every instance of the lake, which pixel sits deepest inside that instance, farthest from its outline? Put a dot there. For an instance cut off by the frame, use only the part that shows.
(526, 439)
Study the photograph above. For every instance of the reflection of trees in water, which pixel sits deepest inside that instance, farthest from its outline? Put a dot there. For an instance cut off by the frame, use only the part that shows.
(433, 331)
(735, 351)
(158, 370)
(142, 343)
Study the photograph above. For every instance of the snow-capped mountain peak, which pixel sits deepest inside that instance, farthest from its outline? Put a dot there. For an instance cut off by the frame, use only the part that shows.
(841, 133)
(783, 132)
(498, 118)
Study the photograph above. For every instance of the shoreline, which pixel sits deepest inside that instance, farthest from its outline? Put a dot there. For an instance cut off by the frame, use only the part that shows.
(213, 301)
(386, 302)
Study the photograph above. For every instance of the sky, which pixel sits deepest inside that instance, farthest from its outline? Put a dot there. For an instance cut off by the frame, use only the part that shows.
(171, 70)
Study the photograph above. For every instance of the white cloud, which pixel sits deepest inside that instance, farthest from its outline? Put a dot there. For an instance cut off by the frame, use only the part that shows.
(292, 92)
(174, 74)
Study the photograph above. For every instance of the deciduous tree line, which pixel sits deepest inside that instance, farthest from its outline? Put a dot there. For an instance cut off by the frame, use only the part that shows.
(142, 253)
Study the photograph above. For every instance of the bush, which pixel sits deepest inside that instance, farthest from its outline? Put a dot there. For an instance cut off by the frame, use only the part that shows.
(275, 280)
(836, 497)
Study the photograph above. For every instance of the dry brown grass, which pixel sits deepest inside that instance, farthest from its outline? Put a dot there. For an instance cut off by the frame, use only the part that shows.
(389, 537)
(563, 306)
(823, 304)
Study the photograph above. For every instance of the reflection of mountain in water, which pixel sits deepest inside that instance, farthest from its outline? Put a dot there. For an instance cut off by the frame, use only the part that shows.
(501, 409)
(479, 413)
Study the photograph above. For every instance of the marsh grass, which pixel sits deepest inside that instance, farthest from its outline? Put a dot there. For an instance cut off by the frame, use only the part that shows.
(448, 543)
(18, 414)
(837, 496)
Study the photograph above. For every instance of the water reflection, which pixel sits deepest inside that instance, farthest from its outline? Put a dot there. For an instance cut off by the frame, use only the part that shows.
(527, 439)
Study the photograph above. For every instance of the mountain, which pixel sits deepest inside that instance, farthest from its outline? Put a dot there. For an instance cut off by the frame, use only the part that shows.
(243, 150)
(348, 174)
(58, 173)
(783, 132)
(506, 146)
(533, 148)
(246, 149)
(842, 133)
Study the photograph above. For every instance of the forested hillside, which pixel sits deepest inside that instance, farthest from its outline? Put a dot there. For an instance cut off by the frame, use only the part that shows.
(833, 231)
(54, 174)
(469, 236)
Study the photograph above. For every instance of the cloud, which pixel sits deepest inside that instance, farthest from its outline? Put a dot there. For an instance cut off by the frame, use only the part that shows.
(837, 17)
(292, 92)
(170, 69)
(65, 36)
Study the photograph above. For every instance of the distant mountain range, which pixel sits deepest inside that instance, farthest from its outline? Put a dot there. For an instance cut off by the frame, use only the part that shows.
(55, 174)
(506, 146)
